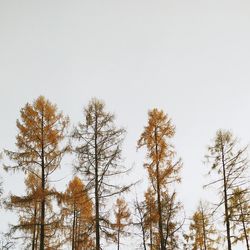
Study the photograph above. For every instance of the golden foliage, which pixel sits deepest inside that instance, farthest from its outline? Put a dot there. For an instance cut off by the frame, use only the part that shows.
(78, 216)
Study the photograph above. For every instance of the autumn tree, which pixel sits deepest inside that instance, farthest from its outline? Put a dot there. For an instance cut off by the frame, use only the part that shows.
(239, 204)
(77, 209)
(41, 129)
(230, 163)
(122, 219)
(203, 234)
(162, 169)
(98, 148)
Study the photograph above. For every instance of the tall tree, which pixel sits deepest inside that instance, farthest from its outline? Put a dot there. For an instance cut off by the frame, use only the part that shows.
(41, 129)
(240, 215)
(230, 163)
(161, 168)
(122, 219)
(99, 159)
(78, 216)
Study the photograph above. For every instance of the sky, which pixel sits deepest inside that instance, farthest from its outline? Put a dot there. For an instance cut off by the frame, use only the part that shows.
(189, 58)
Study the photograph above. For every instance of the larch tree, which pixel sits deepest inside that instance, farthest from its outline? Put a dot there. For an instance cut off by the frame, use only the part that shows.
(41, 130)
(162, 169)
(122, 220)
(77, 209)
(203, 233)
(240, 216)
(230, 163)
(98, 148)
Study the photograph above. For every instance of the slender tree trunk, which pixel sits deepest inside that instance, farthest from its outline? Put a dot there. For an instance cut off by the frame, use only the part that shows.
(37, 236)
(245, 234)
(97, 219)
(78, 227)
(162, 245)
(225, 199)
(118, 240)
(150, 230)
(73, 229)
(43, 189)
(144, 238)
(244, 228)
(34, 230)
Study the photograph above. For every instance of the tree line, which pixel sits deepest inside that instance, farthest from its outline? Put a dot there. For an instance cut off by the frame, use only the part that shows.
(93, 210)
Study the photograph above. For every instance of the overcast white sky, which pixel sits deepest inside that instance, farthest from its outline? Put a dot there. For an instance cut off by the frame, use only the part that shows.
(190, 58)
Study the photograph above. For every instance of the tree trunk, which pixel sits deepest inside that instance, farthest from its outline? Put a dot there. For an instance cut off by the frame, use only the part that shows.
(43, 189)
(118, 240)
(78, 228)
(244, 228)
(144, 238)
(97, 219)
(42, 224)
(162, 245)
(225, 199)
(73, 229)
(34, 230)
(37, 236)
(245, 234)
(150, 230)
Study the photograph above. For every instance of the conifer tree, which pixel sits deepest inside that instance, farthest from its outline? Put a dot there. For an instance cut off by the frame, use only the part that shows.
(41, 129)
(77, 209)
(230, 163)
(162, 169)
(122, 220)
(98, 149)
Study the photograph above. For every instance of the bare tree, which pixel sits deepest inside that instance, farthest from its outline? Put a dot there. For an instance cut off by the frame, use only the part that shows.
(230, 163)
(98, 150)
